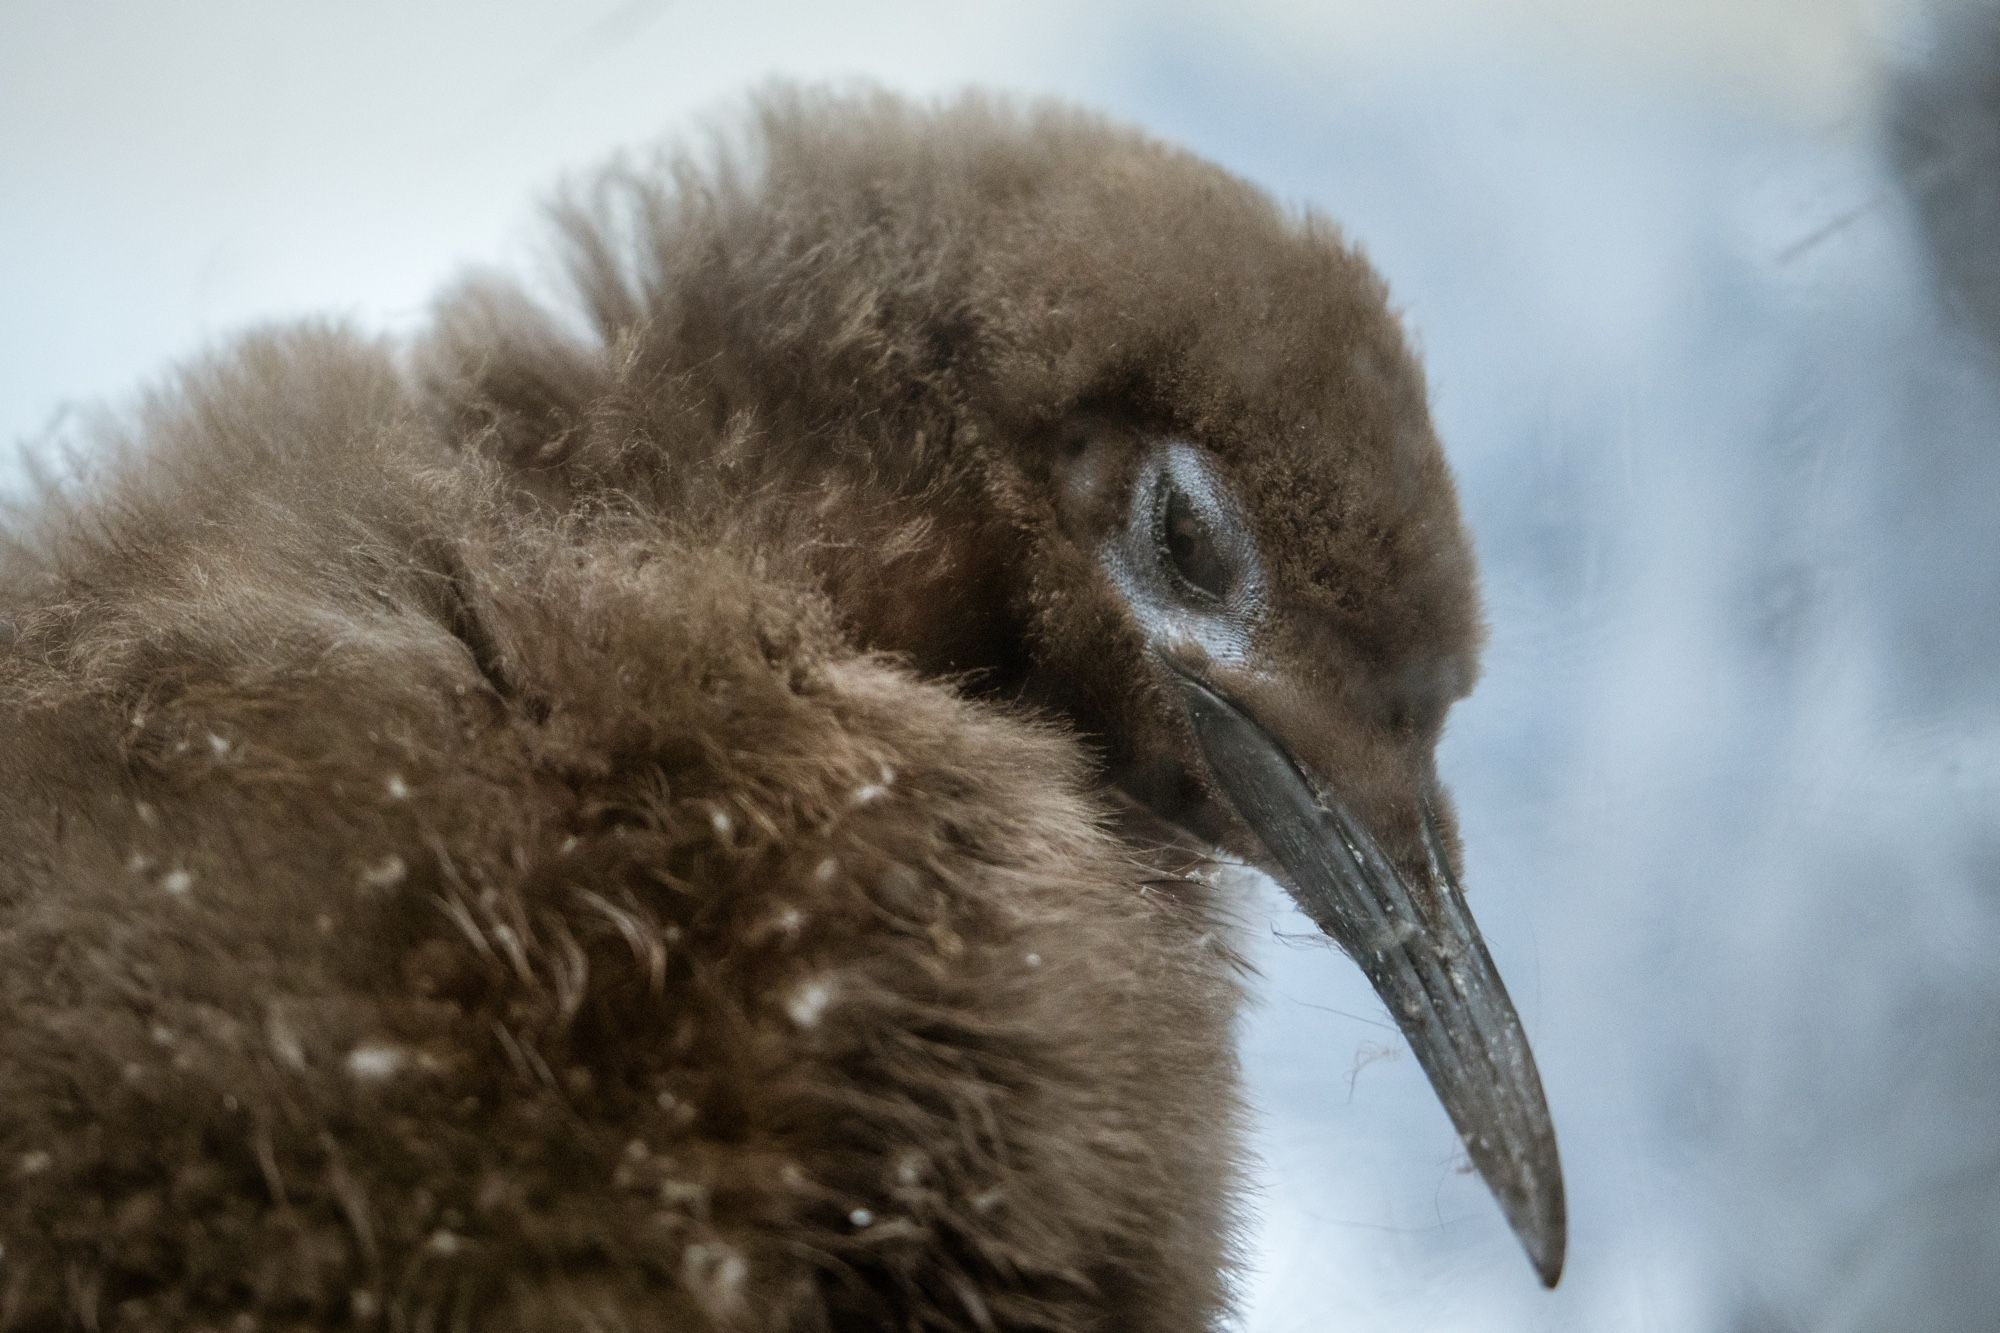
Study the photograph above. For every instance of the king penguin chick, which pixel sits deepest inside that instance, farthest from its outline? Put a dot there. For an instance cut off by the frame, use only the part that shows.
(676, 819)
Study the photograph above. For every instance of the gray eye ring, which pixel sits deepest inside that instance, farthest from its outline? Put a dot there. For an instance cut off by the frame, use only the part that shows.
(1174, 615)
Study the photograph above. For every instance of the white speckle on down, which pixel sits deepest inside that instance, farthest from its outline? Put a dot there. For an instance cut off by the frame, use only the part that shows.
(1033, 960)
(374, 1061)
(177, 882)
(809, 1002)
(385, 874)
(719, 820)
(824, 872)
(444, 1242)
(716, 1274)
(398, 789)
(284, 1040)
(861, 1217)
(219, 744)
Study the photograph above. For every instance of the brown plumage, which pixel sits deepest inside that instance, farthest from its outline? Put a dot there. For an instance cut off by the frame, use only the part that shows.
(655, 821)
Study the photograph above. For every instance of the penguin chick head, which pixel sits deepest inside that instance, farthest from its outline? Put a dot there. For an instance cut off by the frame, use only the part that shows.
(1247, 573)
(1180, 484)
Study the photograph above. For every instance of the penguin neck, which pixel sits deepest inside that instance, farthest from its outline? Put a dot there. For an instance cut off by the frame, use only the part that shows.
(929, 577)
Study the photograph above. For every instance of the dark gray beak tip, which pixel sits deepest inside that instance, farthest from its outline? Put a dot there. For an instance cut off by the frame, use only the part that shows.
(1547, 1254)
(1485, 1075)
(1541, 1222)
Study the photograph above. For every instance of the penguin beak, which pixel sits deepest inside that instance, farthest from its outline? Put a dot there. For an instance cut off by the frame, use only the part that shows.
(1419, 947)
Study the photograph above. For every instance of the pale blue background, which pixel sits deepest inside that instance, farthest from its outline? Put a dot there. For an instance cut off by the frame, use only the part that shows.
(1727, 433)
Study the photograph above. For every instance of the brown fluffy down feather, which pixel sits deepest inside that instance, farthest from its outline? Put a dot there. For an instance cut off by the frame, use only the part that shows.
(503, 836)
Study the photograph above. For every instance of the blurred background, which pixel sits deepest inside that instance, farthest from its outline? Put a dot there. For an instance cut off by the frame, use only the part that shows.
(1710, 296)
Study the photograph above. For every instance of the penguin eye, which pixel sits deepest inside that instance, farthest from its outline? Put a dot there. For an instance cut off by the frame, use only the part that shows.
(1190, 547)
